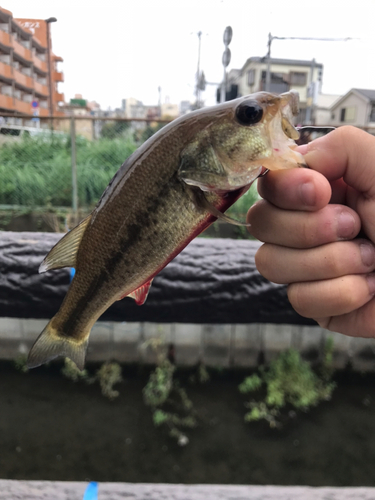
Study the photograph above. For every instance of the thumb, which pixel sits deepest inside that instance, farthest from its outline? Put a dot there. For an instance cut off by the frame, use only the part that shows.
(348, 153)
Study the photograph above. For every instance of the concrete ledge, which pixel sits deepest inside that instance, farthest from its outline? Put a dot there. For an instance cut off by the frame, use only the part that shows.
(223, 345)
(48, 490)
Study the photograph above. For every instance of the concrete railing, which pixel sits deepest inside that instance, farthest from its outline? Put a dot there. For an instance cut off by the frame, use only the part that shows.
(211, 281)
(58, 490)
(210, 303)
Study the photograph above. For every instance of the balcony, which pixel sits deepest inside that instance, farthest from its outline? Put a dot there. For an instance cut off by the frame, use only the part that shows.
(41, 65)
(6, 71)
(43, 112)
(6, 102)
(22, 107)
(57, 97)
(57, 76)
(5, 39)
(41, 89)
(21, 51)
(23, 80)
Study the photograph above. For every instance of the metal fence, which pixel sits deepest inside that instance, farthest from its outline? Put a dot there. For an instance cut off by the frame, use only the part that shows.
(54, 170)
(59, 168)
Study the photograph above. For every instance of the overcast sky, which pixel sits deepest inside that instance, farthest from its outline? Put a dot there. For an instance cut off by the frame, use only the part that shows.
(115, 49)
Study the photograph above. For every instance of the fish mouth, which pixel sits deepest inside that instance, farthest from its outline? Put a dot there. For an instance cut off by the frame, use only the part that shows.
(284, 158)
(283, 135)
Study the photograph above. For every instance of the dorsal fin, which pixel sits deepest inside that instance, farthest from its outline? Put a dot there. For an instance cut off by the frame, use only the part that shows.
(63, 254)
(139, 294)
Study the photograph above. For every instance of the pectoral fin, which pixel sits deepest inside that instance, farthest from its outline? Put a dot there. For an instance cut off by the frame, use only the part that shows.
(201, 202)
(64, 253)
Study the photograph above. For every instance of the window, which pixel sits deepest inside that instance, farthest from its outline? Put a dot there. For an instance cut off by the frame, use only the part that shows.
(279, 82)
(297, 78)
(251, 77)
(347, 114)
(372, 114)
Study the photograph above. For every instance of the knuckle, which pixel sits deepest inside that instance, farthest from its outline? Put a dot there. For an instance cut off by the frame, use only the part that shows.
(324, 322)
(261, 260)
(308, 233)
(332, 264)
(346, 296)
(298, 298)
(267, 261)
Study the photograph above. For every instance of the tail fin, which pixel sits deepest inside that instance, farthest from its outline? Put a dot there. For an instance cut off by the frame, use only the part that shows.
(50, 345)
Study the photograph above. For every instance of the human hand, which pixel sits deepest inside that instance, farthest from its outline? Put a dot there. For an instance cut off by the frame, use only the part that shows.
(310, 220)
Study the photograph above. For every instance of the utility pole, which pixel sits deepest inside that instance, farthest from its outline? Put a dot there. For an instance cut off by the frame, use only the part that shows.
(50, 89)
(310, 94)
(159, 90)
(270, 40)
(268, 72)
(198, 90)
(227, 38)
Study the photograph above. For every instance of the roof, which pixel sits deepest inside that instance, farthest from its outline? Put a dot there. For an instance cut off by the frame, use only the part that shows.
(365, 94)
(370, 94)
(289, 62)
(325, 101)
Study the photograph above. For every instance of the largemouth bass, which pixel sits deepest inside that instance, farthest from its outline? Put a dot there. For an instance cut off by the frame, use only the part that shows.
(166, 193)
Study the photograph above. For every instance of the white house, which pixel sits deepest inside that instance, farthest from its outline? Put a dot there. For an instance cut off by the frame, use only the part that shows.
(356, 107)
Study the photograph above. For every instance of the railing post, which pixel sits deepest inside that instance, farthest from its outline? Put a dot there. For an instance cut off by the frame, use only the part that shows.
(74, 169)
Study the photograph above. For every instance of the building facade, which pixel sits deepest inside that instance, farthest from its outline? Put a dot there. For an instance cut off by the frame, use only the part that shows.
(356, 107)
(24, 69)
(285, 74)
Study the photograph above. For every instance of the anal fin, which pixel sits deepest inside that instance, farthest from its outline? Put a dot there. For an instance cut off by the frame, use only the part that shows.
(139, 294)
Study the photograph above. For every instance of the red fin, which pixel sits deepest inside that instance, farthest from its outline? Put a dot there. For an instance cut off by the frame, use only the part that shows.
(140, 294)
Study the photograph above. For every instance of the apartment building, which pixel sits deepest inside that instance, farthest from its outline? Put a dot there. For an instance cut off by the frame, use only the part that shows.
(24, 84)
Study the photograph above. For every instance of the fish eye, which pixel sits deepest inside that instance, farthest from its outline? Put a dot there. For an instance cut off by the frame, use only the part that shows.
(249, 112)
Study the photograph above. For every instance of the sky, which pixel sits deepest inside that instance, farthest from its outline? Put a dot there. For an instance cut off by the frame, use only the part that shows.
(116, 49)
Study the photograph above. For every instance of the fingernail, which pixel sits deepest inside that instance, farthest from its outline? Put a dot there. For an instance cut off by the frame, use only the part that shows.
(371, 283)
(308, 195)
(345, 225)
(303, 149)
(367, 254)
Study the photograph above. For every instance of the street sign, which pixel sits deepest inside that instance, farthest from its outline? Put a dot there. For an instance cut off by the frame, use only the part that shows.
(226, 57)
(228, 33)
(35, 104)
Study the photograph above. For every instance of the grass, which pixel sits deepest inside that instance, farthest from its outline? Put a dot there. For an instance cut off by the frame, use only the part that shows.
(36, 172)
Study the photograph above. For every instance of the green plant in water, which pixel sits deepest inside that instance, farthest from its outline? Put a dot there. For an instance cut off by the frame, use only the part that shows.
(108, 375)
(70, 371)
(20, 363)
(289, 380)
(170, 404)
(201, 376)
